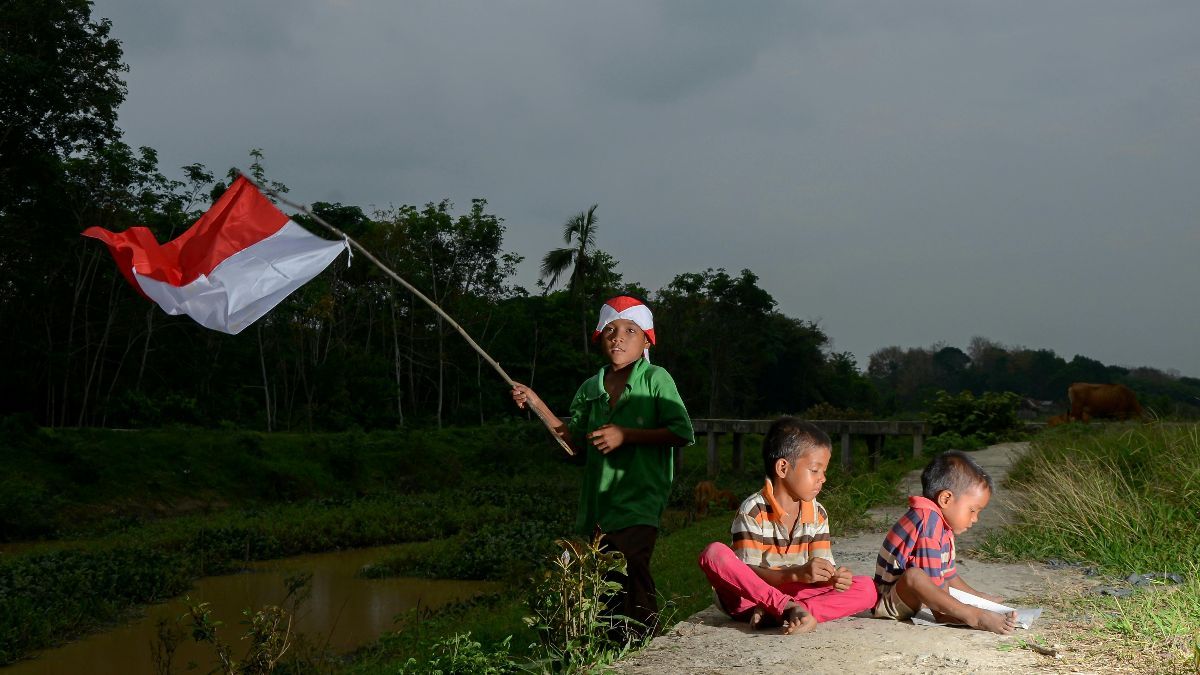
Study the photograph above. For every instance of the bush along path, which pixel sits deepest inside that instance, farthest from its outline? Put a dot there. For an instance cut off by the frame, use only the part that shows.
(710, 642)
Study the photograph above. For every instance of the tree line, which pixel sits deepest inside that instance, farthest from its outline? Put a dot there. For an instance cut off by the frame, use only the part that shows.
(352, 349)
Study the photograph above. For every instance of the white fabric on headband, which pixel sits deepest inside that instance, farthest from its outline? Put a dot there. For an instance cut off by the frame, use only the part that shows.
(632, 309)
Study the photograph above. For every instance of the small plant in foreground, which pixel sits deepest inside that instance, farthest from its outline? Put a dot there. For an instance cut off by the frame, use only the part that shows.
(460, 655)
(569, 605)
(268, 631)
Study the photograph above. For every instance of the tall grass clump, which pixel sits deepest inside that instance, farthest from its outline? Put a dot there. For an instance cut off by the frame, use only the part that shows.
(1123, 498)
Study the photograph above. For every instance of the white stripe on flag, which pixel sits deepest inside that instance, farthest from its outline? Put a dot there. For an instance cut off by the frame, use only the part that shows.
(249, 283)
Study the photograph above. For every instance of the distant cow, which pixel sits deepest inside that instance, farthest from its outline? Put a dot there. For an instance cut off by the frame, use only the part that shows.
(1113, 401)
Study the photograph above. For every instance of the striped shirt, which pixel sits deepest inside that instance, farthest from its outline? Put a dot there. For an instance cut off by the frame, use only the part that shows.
(919, 539)
(760, 538)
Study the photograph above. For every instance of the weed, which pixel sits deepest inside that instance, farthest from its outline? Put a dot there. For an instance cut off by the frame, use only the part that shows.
(460, 655)
(569, 605)
(268, 633)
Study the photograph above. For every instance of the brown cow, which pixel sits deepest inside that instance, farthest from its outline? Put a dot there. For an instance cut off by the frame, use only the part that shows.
(1114, 401)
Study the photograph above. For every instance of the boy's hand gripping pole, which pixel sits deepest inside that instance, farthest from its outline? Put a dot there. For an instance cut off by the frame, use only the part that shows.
(396, 277)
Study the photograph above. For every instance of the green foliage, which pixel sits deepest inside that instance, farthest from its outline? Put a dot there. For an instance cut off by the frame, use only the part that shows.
(62, 79)
(827, 411)
(1123, 497)
(989, 416)
(906, 378)
(935, 445)
(460, 655)
(723, 367)
(27, 509)
(267, 638)
(502, 551)
(569, 606)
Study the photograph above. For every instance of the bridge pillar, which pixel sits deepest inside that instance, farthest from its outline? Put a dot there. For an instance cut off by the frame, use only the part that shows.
(846, 460)
(713, 464)
(737, 452)
(875, 442)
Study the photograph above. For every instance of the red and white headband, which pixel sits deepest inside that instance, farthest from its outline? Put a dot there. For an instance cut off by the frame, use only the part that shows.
(625, 307)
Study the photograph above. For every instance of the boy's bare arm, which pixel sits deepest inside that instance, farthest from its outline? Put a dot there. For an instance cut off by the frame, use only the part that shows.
(524, 396)
(916, 589)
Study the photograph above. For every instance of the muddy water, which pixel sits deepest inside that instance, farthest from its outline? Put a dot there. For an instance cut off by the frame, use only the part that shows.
(347, 610)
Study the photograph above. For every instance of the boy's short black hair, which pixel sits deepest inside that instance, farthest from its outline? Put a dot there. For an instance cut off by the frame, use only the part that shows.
(789, 438)
(955, 471)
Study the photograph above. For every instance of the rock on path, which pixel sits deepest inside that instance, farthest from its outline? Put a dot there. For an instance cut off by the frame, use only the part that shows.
(709, 642)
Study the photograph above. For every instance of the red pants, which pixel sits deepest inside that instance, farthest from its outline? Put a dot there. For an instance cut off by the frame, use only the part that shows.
(741, 590)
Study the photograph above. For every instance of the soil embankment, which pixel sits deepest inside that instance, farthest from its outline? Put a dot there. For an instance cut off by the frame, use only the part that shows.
(709, 642)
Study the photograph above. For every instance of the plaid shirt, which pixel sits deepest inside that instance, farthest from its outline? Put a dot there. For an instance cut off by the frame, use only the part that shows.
(919, 539)
(761, 540)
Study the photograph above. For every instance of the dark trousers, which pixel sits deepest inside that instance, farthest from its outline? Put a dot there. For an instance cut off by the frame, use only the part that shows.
(638, 599)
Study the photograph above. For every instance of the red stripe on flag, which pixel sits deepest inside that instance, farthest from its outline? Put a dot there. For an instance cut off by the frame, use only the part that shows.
(241, 218)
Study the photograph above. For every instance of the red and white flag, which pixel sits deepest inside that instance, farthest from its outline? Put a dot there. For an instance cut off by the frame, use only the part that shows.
(243, 257)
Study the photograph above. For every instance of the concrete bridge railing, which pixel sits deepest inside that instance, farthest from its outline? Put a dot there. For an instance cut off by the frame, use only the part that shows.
(875, 431)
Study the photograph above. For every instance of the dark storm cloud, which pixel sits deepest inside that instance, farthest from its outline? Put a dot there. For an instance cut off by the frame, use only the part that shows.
(905, 172)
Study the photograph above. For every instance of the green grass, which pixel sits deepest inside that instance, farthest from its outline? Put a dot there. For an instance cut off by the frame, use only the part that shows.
(1124, 498)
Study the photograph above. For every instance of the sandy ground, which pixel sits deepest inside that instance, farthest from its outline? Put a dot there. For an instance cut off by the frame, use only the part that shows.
(709, 642)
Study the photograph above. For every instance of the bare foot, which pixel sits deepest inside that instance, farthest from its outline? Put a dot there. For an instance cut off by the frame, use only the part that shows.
(1002, 624)
(797, 620)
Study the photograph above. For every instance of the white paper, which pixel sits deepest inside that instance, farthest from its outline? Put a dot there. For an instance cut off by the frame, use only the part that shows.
(1025, 615)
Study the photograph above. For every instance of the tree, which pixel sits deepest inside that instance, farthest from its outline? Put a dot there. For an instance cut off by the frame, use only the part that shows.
(60, 87)
(579, 233)
(721, 342)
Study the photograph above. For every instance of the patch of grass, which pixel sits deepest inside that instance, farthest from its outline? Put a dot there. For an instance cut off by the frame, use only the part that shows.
(76, 483)
(1123, 498)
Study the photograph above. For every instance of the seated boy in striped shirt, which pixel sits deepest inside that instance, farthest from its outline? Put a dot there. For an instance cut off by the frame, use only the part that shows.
(780, 570)
(916, 562)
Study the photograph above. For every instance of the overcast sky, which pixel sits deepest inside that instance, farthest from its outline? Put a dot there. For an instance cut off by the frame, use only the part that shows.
(902, 172)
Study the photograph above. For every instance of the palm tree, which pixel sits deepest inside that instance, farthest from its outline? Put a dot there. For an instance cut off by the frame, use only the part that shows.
(579, 233)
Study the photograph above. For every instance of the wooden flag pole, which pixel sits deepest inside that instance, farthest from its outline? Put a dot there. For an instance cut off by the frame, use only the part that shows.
(398, 279)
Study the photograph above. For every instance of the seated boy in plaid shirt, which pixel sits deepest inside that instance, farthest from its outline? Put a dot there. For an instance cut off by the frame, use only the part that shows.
(780, 570)
(916, 562)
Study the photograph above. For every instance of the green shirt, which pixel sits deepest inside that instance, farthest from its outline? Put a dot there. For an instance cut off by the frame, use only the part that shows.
(630, 485)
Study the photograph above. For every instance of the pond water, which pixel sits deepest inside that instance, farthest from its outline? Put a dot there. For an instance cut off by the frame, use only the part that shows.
(347, 610)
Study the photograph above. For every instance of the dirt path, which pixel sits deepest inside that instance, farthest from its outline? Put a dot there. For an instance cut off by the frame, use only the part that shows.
(709, 642)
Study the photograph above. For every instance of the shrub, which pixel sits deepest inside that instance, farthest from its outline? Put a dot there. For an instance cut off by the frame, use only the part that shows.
(827, 411)
(990, 416)
(460, 655)
(27, 509)
(569, 604)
